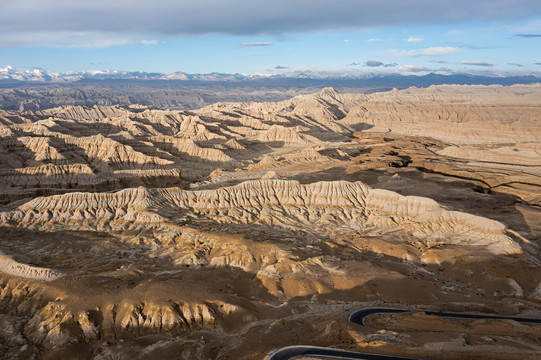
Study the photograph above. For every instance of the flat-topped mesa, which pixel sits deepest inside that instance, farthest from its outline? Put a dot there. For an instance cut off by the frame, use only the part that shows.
(260, 194)
(328, 206)
(468, 114)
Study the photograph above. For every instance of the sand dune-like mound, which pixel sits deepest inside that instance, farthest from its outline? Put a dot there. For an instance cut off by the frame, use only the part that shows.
(11, 266)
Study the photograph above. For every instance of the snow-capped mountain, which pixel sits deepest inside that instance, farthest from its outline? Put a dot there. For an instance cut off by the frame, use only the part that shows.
(385, 79)
(39, 75)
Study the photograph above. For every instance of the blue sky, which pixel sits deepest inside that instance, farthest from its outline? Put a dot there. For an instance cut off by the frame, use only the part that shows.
(253, 36)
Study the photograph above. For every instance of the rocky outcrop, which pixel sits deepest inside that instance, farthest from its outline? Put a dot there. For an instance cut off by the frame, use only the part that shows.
(55, 325)
(56, 322)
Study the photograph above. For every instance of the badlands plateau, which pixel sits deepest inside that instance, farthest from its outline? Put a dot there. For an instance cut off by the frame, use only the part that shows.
(128, 232)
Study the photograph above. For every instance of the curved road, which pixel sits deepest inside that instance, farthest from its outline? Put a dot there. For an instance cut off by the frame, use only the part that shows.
(291, 352)
(360, 316)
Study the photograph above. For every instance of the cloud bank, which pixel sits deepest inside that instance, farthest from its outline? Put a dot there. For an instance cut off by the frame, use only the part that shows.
(476, 63)
(375, 63)
(413, 39)
(413, 69)
(102, 22)
(431, 51)
(256, 44)
(529, 36)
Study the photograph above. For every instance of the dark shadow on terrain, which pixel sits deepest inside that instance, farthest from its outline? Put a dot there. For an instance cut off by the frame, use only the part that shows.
(361, 126)
(79, 129)
(333, 109)
(449, 191)
(368, 177)
(90, 259)
(334, 154)
(73, 153)
(93, 263)
(486, 291)
(19, 153)
(159, 128)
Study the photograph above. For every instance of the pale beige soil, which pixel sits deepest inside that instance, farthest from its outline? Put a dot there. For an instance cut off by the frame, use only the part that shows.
(239, 228)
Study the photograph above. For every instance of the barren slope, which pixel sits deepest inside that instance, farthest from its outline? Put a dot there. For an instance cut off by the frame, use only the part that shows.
(226, 232)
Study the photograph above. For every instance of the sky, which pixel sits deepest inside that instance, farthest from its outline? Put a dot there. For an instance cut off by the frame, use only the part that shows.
(495, 37)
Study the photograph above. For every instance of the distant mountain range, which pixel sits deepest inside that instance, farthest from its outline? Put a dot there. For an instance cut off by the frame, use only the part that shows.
(38, 75)
(41, 75)
(37, 89)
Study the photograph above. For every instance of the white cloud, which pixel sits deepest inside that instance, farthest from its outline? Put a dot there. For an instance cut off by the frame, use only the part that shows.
(149, 42)
(374, 40)
(87, 40)
(413, 68)
(413, 39)
(256, 44)
(375, 63)
(346, 40)
(476, 63)
(430, 51)
(29, 21)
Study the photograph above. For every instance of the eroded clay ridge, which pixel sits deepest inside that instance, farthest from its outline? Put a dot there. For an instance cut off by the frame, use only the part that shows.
(229, 135)
(11, 266)
(324, 206)
(47, 326)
